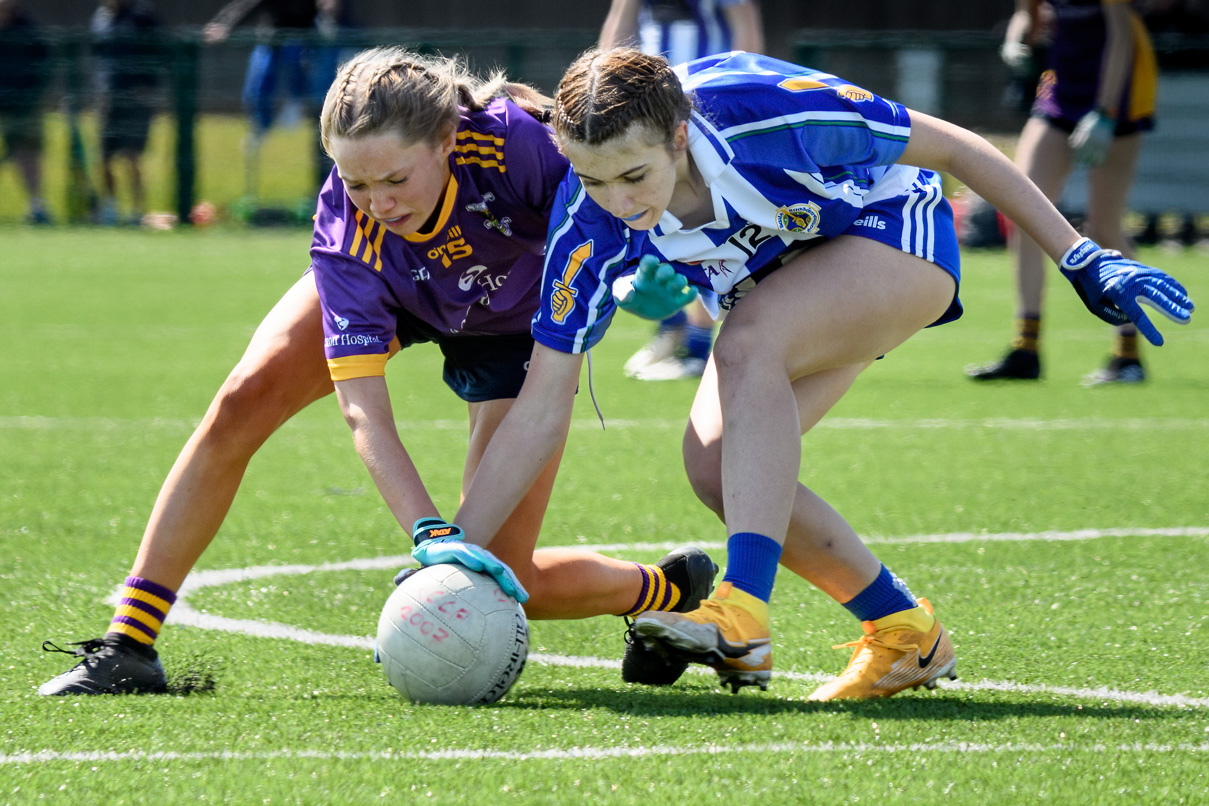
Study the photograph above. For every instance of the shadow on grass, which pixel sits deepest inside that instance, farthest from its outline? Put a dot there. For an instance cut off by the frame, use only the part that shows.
(699, 701)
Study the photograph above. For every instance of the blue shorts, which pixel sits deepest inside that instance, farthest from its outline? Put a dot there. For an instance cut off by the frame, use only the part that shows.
(477, 368)
(918, 222)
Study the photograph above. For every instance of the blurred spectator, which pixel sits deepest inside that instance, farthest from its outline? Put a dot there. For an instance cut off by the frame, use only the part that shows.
(287, 54)
(681, 30)
(128, 70)
(24, 72)
(1025, 50)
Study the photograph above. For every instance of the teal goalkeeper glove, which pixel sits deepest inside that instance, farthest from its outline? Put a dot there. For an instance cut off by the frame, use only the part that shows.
(655, 291)
(1091, 138)
(438, 542)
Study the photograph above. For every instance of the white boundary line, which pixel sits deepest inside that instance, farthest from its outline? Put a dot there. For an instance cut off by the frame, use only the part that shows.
(592, 753)
(184, 614)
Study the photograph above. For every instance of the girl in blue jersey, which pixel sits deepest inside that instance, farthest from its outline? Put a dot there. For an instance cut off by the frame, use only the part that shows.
(680, 31)
(431, 229)
(1094, 103)
(796, 197)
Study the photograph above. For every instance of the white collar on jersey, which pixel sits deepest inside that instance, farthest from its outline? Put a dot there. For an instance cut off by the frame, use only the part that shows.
(711, 154)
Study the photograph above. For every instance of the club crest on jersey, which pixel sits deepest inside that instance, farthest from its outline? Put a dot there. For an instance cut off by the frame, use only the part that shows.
(802, 218)
(562, 301)
(852, 93)
(504, 225)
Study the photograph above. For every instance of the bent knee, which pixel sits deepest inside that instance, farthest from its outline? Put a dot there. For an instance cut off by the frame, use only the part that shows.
(255, 399)
(703, 466)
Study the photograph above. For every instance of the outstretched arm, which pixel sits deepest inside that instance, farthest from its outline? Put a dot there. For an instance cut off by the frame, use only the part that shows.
(1109, 285)
(944, 146)
(531, 435)
(365, 403)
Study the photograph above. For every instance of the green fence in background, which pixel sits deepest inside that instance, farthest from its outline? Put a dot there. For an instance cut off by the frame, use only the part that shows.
(196, 154)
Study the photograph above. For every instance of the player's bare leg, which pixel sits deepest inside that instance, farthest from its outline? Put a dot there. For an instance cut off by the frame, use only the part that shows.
(820, 546)
(1108, 186)
(282, 371)
(786, 353)
(562, 582)
(1043, 154)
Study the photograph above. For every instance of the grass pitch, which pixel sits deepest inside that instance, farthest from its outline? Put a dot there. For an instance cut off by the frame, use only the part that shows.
(1061, 532)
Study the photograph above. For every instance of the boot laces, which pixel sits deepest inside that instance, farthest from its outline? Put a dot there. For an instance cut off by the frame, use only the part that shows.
(714, 611)
(84, 648)
(863, 653)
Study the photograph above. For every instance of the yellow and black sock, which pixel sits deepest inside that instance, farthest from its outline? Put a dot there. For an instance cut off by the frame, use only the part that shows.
(141, 612)
(1127, 346)
(1028, 333)
(657, 592)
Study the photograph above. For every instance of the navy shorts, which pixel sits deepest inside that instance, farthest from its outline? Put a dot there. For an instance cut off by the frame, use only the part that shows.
(477, 368)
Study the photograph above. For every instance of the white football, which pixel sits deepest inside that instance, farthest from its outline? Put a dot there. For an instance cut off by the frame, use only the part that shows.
(450, 636)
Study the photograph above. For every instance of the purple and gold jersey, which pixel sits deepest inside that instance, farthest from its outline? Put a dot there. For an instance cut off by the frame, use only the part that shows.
(475, 272)
(1069, 87)
(790, 155)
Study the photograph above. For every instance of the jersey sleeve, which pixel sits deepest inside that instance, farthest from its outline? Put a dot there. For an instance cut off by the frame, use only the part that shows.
(587, 250)
(535, 166)
(356, 302)
(799, 115)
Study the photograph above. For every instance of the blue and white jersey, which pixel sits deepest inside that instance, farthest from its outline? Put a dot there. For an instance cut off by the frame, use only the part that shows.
(683, 30)
(789, 155)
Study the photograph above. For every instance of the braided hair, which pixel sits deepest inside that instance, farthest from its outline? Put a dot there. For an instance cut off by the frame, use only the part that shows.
(392, 89)
(605, 92)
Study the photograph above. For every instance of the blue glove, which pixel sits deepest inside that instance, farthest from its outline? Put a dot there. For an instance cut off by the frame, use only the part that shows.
(655, 291)
(438, 543)
(1091, 138)
(1111, 287)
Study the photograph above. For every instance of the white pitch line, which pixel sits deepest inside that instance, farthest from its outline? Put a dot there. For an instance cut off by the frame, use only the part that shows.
(185, 614)
(600, 753)
(43, 423)
(225, 576)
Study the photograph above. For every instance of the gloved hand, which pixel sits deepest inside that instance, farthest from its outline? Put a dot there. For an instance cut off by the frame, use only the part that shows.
(438, 542)
(1091, 138)
(427, 529)
(1111, 287)
(1017, 56)
(655, 291)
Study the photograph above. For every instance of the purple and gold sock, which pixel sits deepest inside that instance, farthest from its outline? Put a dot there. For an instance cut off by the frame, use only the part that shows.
(656, 593)
(141, 613)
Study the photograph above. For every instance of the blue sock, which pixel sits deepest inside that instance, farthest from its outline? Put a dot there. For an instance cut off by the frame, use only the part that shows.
(673, 322)
(752, 563)
(697, 341)
(885, 595)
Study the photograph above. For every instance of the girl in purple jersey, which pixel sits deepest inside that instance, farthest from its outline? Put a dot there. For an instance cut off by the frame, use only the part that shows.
(807, 325)
(395, 264)
(1094, 102)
